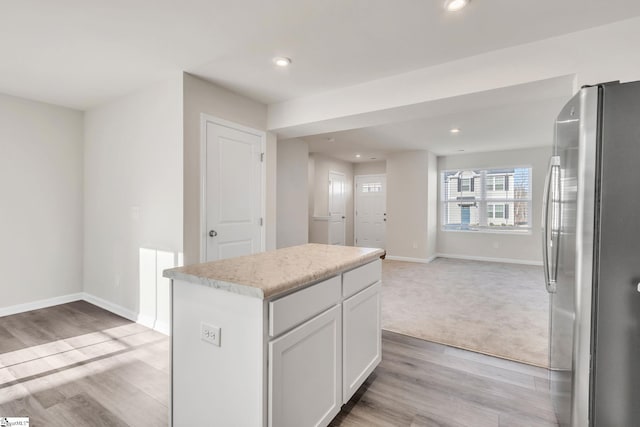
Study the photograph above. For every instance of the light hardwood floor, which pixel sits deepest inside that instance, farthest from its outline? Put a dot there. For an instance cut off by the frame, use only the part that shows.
(420, 384)
(76, 364)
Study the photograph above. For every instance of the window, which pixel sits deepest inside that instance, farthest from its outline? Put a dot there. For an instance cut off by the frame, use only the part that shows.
(372, 187)
(496, 211)
(496, 200)
(496, 183)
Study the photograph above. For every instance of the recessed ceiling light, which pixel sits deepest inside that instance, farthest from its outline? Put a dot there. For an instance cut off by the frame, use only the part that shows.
(282, 61)
(357, 156)
(455, 130)
(455, 5)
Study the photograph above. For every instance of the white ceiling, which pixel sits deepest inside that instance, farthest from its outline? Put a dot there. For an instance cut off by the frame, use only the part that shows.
(515, 117)
(81, 53)
(524, 125)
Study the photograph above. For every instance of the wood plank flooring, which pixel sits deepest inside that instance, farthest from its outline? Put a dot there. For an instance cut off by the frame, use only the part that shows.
(419, 383)
(76, 364)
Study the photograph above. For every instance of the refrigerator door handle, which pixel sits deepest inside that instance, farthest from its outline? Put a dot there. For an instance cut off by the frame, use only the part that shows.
(550, 283)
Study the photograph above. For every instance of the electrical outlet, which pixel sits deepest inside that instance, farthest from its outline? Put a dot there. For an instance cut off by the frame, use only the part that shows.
(415, 245)
(210, 334)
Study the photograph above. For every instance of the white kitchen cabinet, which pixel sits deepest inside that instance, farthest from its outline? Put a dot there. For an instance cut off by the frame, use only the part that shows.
(290, 311)
(291, 358)
(305, 373)
(362, 331)
(359, 278)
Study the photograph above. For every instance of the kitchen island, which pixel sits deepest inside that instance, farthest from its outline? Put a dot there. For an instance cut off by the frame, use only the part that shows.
(280, 338)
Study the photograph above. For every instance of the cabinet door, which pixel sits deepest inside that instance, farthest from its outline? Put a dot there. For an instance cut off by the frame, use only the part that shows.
(362, 338)
(305, 373)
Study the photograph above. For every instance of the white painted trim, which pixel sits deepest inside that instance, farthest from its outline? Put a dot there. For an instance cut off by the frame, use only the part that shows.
(37, 305)
(356, 178)
(163, 327)
(371, 175)
(487, 259)
(344, 200)
(408, 259)
(109, 306)
(148, 321)
(203, 188)
(207, 118)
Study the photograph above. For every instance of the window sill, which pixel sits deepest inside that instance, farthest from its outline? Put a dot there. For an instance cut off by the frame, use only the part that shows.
(485, 231)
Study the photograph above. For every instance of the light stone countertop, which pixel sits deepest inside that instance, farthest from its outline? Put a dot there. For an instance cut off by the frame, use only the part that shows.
(268, 274)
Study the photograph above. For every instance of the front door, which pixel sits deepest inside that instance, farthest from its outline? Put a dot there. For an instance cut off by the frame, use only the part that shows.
(465, 215)
(371, 216)
(337, 210)
(233, 190)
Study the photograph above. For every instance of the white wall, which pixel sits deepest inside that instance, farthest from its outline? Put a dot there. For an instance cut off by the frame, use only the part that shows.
(203, 97)
(370, 168)
(510, 247)
(319, 193)
(41, 208)
(133, 200)
(432, 205)
(594, 55)
(292, 193)
(410, 205)
(271, 202)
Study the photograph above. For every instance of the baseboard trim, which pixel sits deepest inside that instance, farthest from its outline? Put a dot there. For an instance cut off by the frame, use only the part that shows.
(163, 327)
(37, 305)
(487, 259)
(408, 259)
(109, 306)
(148, 321)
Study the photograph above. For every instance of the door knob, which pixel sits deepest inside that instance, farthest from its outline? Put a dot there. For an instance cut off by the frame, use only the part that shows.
(213, 233)
(343, 217)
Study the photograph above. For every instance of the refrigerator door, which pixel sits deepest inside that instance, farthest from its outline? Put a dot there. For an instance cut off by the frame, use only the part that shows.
(569, 265)
(560, 254)
(616, 377)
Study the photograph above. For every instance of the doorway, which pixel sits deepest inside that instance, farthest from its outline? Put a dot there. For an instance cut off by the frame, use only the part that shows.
(337, 210)
(232, 204)
(370, 211)
(465, 216)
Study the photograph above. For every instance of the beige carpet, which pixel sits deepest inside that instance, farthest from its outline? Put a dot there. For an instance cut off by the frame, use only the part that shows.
(492, 308)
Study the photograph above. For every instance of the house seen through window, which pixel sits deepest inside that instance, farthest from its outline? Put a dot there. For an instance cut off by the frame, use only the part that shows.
(486, 200)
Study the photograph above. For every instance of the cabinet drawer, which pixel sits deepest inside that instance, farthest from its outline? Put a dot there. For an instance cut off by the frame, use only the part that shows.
(361, 277)
(290, 311)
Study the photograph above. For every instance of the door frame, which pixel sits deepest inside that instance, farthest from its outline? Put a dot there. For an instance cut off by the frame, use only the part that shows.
(344, 201)
(355, 203)
(207, 118)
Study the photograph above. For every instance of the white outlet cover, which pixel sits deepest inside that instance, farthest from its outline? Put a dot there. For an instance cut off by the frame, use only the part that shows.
(210, 334)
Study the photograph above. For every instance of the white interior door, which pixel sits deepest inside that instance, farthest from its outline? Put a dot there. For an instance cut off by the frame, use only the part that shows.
(371, 206)
(232, 191)
(337, 210)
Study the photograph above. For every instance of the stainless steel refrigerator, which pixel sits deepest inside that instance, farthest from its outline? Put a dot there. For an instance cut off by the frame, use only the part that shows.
(591, 246)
